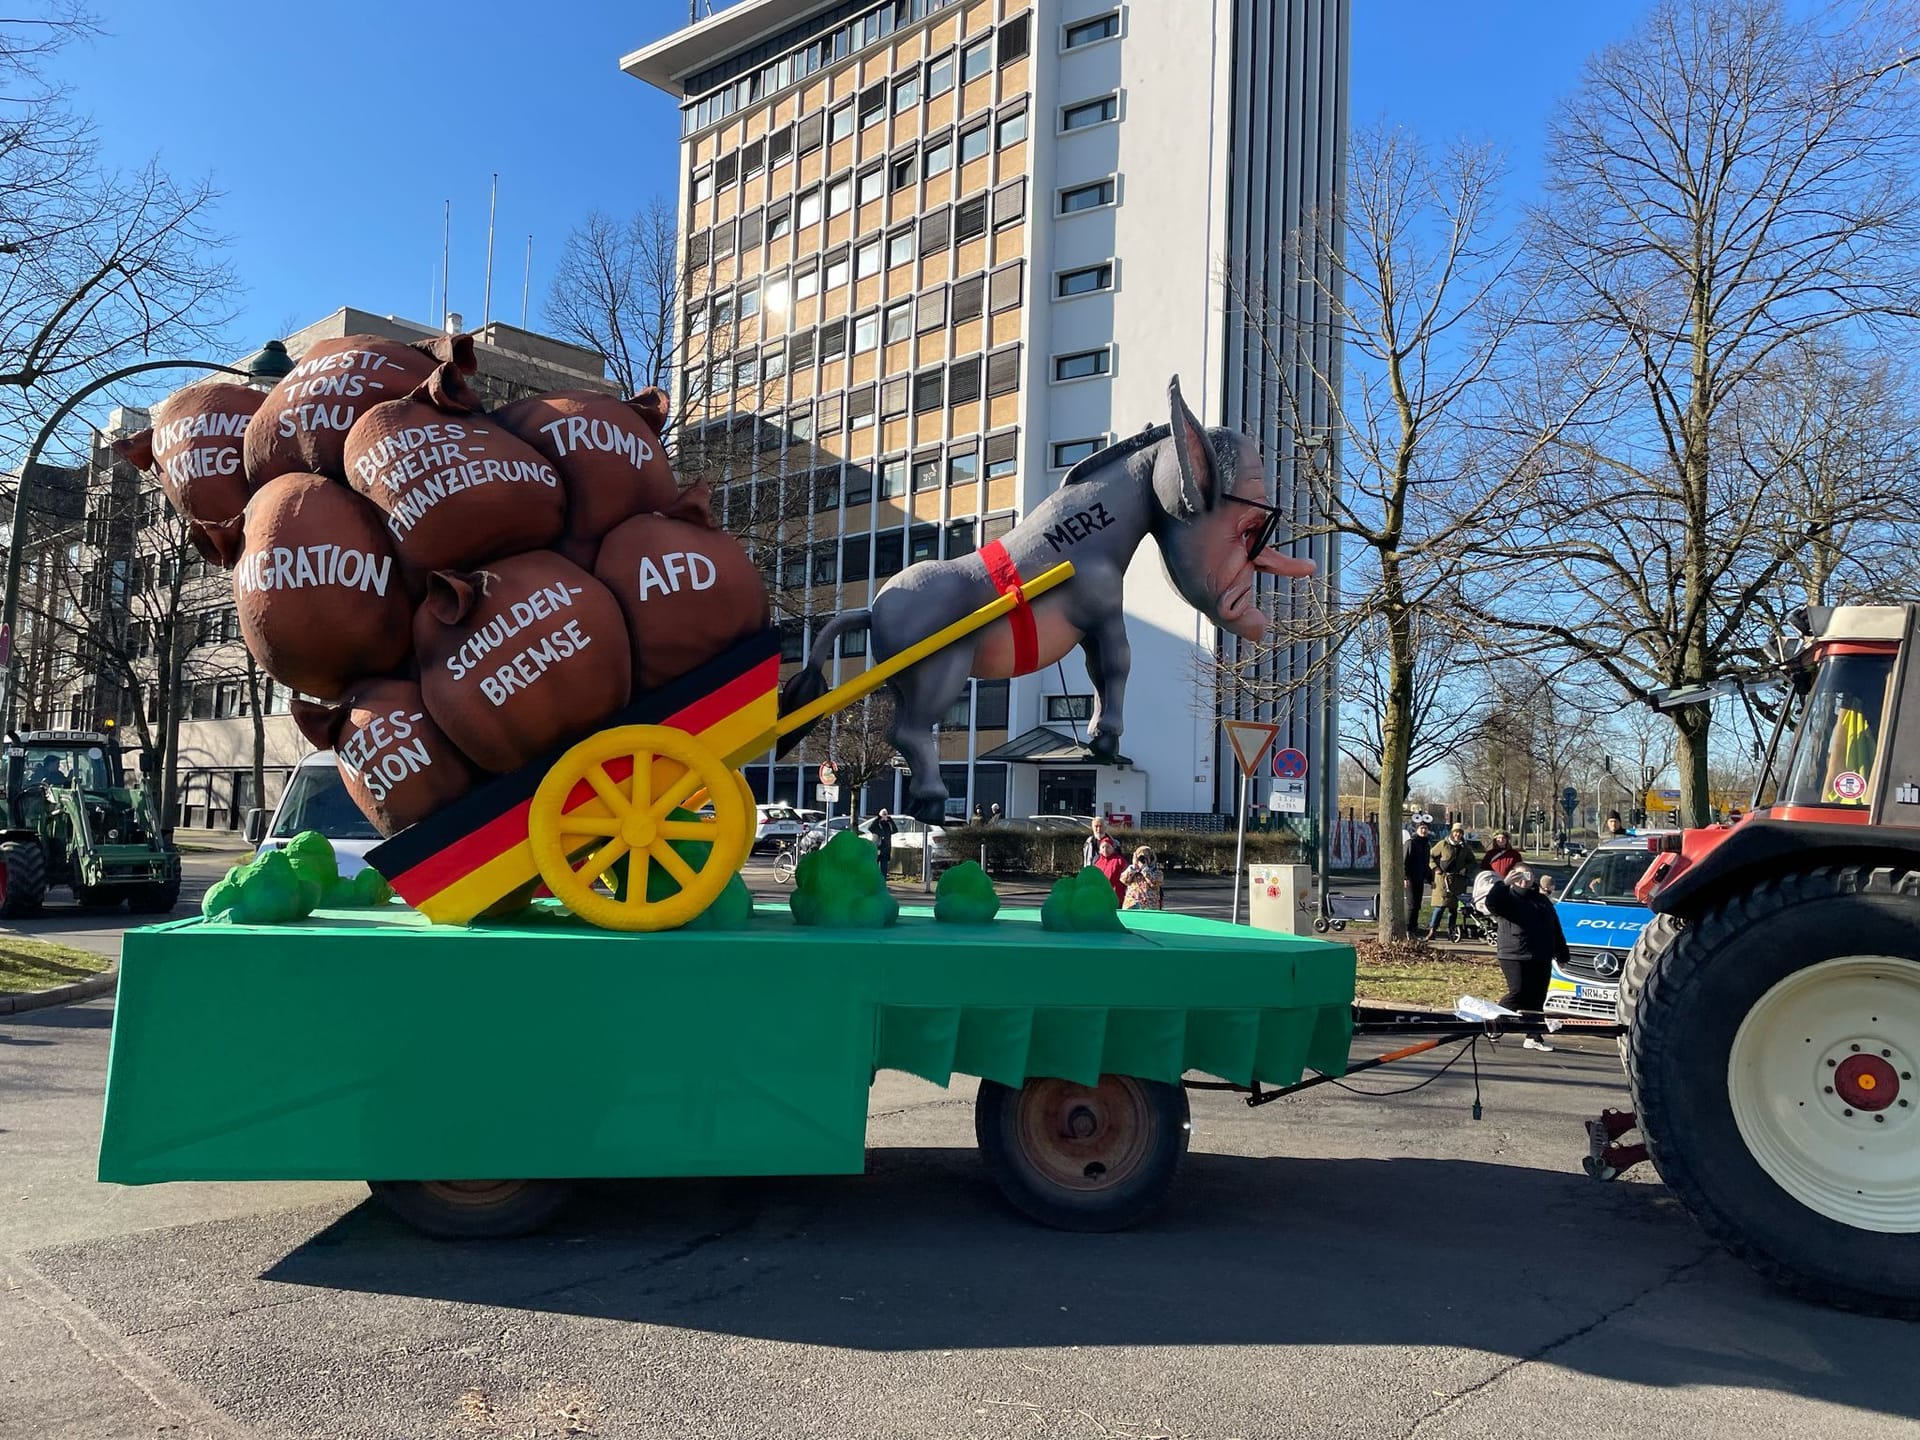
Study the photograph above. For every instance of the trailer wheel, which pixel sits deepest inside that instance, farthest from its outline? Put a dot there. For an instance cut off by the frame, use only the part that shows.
(1775, 1066)
(26, 866)
(1080, 1158)
(473, 1209)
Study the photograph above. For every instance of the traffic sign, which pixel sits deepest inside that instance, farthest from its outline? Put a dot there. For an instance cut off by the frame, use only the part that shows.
(828, 776)
(1250, 739)
(824, 793)
(1289, 764)
(1289, 797)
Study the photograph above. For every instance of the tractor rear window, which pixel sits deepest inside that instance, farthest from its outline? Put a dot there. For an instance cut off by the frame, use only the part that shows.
(1839, 737)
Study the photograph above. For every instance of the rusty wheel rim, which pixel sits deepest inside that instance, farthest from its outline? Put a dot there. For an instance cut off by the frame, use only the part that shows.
(473, 1194)
(1081, 1138)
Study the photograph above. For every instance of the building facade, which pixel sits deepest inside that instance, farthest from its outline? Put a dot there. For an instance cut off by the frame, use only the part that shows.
(937, 252)
(102, 592)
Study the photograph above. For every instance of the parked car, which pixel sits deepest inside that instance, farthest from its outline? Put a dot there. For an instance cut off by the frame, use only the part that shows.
(908, 833)
(316, 800)
(1080, 823)
(774, 823)
(1602, 919)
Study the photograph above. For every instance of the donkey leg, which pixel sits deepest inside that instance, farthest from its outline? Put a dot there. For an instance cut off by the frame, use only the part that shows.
(922, 697)
(1108, 659)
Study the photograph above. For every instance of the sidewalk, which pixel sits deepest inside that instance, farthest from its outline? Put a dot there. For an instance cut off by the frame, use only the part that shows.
(223, 842)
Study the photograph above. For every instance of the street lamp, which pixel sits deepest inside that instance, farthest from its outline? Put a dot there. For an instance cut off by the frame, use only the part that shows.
(264, 367)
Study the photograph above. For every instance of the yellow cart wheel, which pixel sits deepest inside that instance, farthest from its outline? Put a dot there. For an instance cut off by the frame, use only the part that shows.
(749, 830)
(639, 775)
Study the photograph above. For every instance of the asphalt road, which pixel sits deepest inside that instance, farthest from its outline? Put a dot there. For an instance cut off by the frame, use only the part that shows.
(1329, 1266)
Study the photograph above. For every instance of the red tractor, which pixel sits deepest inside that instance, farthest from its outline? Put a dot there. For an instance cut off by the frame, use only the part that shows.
(1773, 1004)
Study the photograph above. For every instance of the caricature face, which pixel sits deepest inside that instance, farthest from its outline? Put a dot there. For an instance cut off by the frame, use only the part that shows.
(1212, 555)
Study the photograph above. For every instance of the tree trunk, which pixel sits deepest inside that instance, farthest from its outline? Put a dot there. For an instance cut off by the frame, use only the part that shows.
(1691, 724)
(1396, 745)
(258, 711)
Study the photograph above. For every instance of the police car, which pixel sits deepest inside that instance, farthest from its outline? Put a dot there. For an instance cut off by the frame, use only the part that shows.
(1601, 920)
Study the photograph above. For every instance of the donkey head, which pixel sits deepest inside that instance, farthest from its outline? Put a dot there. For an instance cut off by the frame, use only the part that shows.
(1211, 514)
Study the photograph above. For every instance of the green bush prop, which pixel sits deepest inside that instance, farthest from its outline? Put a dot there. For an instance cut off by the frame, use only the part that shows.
(1081, 902)
(965, 896)
(840, 886)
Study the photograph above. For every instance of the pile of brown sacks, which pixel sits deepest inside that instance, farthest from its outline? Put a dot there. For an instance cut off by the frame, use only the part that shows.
(456, 591)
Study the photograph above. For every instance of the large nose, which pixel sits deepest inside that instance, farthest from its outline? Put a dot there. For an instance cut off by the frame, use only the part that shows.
(1272, 562)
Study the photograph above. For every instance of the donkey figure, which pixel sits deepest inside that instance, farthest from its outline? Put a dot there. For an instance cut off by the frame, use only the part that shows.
(1200, 493)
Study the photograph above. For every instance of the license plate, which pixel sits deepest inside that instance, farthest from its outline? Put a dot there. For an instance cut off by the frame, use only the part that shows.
(1597, 992)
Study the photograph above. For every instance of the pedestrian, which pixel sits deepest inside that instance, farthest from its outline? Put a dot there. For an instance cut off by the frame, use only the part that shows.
(1418, 854)
(993, 813)
(979, 815)
(1454, 862)
(1615, 827)
(882, 832)
(1110, 863)
(1527, 941)
(1502, 857)
(1143, 881)
(1090, 851)
(1560, 843)
(1548, 885)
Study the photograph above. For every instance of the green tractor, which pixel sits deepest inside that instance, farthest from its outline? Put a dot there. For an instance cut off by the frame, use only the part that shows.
(71, 818)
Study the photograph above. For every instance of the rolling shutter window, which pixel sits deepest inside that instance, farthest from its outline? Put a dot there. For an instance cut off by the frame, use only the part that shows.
(929, 388)
(779, 145)
(893, 398)
(1002, 447)
(1004, 292)
(1013, 38)
(723, 239)
(1003, 371)
(753, 158)
(859, 407)
(752, 229)
(970, 218)
(936, 230)
(1010, 204)
(829, 416)
(931, 310)
(800, 351)
(963, 381)
(968, 296)
(726, 170)
(810, 134)
(833, 339)
(698, 248)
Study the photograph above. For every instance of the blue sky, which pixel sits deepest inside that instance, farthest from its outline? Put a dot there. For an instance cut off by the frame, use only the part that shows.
(337, 131)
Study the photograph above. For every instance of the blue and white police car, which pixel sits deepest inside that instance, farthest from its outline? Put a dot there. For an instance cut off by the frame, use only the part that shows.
(1601, 920)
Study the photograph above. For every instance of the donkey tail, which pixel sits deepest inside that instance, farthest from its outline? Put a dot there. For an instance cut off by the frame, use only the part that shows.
(809, 682)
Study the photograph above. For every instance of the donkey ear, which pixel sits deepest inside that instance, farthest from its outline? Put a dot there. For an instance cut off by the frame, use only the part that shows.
(1185, 489)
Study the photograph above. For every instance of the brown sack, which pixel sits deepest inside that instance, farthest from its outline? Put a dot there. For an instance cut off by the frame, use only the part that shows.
(195, 449)
(517, 657)
(394, 761)
(608, 451)
(320, 602)
(458, 488)
(303, 422)
(688, 591)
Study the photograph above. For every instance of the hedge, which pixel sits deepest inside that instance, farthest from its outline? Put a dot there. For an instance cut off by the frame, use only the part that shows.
(1011, 850)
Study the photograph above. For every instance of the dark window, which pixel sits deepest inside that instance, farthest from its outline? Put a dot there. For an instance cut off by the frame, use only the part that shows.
(860, 407)
(854, 642)
(1085, 281)
(1013, 38)
(1089, 112)
(970, 218)
(963, 381)
(793, 639)
(1086, 197)
(1069, 707)
(1082, 364)
(1010, 204)
(996, 527)
(923, 543)
(854, 558)
(1088, 32)
(900, 173)
(859, 492)
(810, 134)
(726, 170)
(826, 564)
(753, 159)
(931, 310)
(990, 704)
(826, 490)
(1003, 292)
(1072, 452)
(968, 296)
(936, 230)
(893, 479)
(723, 235)
(753, 230)
(833, 339)
(800, 351)
(873, 104)
(780, 218)
(779, 145)
(1003, 371)
(698, 248)
(929, 387)
(886, 553)
(959, 538)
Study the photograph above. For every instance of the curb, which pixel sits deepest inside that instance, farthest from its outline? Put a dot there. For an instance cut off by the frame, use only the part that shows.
(101, 984)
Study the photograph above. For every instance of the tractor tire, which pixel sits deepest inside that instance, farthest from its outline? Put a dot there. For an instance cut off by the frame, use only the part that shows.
(157, 897)
(473, 1209)
(1084, 1159)
(1773, 1062)
(1652, 943)
(26, 865)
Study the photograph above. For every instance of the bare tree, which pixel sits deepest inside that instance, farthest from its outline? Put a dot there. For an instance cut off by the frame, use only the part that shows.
(616, 290)
(855, 741)
(1422, 304)
(1448, 702)
(1730, 182)
(97, 267)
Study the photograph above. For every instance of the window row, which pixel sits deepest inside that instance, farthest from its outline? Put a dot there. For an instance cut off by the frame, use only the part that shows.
(775, 499)
(935, 388)
(796, 61)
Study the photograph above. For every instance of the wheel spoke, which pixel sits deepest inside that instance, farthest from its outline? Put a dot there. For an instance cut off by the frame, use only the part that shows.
(600, 860)
(638, 864)
(642, 790)
(676, 794)
(671, 862)
(574, 822)
(701, 830)
(608, 792)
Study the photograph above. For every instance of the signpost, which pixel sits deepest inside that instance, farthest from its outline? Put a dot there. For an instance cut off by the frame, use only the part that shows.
(828, 790)
(1250, 739)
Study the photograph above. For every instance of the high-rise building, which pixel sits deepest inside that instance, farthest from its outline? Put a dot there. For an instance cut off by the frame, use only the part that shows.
(936, 252)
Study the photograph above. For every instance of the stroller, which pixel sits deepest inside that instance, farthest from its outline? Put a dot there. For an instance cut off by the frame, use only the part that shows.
(1476, 921)
(1330, 914)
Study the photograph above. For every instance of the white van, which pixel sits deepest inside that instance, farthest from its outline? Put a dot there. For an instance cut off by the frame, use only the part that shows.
(316, 800)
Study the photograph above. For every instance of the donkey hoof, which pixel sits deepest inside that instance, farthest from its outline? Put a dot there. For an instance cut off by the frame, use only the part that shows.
(928, 812)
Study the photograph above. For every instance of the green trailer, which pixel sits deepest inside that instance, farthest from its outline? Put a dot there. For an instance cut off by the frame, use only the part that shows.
(432, 1061)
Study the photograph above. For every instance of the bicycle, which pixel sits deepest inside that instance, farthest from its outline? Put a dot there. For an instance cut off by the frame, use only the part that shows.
(786, 858)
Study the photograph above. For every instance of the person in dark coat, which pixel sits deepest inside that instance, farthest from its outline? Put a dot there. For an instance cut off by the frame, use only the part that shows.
(1418, 855)
(1527, 941)
(882, 832)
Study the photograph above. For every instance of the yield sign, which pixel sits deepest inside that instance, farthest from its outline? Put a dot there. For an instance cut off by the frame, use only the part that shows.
(1250, 739)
